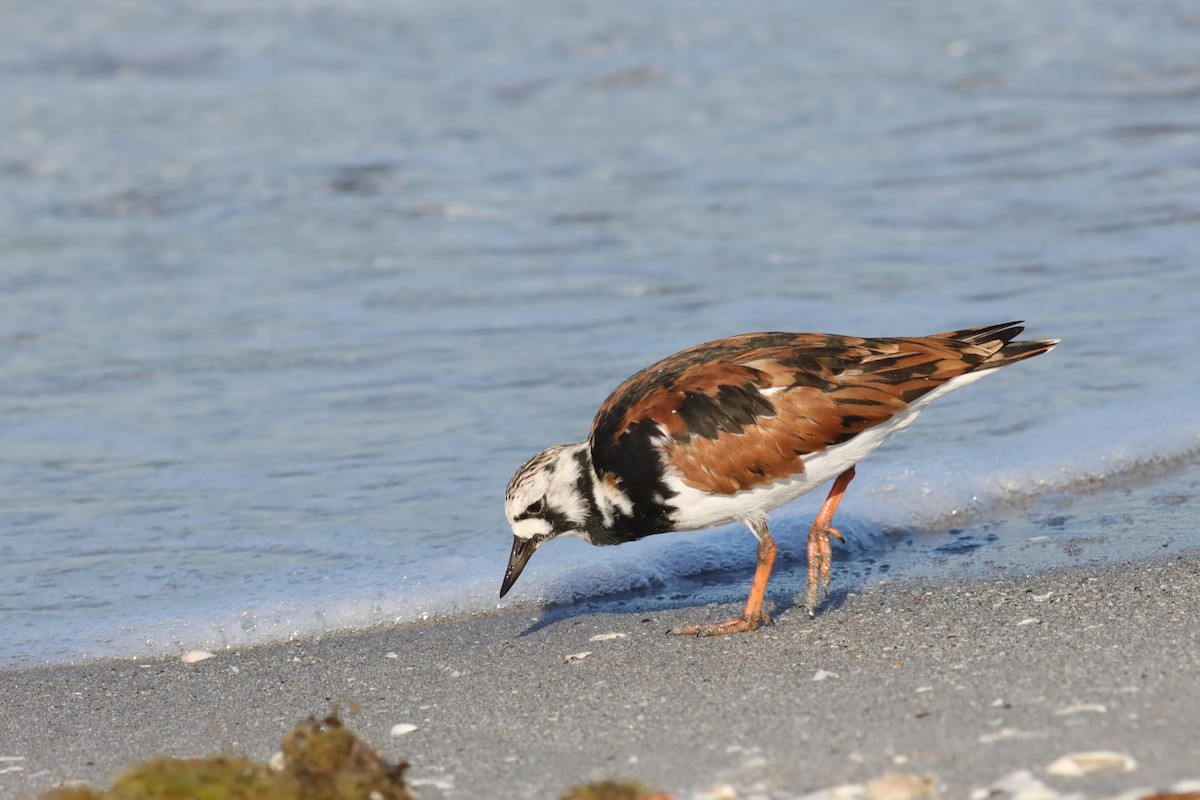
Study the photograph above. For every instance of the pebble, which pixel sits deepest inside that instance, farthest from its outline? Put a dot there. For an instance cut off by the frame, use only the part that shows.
(823, 674)
(1073, 765)
(1019, 785)
(402, 729)
(577, 656)
(195, 656)
(1080, 708)
(847, 791)
(1009, 733)
(605, 637)
(899, 786)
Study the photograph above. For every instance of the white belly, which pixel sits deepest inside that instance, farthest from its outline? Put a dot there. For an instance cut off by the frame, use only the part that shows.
(699, 509)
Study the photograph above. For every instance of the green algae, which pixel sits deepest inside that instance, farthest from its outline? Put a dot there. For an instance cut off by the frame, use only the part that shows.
(212, 778)
(322, 760)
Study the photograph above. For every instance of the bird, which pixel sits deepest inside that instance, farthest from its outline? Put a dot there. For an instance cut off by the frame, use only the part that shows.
(729, 430)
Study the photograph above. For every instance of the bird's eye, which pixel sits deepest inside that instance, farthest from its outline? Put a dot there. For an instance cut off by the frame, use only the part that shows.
(535, 508)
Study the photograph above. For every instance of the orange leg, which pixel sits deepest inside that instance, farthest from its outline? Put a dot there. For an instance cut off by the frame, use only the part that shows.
(820, 552)
(753, 616)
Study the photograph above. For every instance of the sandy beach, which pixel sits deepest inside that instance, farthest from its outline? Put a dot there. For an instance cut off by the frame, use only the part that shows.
(291, 290)
(963, 683)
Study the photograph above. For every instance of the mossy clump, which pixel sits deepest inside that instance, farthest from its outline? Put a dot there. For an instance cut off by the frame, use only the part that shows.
(613, 790)
(71, 793)
(322, 760)
(199, 778)
(326, 761)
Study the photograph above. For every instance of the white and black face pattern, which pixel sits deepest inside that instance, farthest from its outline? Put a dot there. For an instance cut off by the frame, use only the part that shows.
(546, 498)
(551, 495)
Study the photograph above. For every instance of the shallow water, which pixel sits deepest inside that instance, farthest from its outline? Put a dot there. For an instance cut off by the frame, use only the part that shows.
(288, 290)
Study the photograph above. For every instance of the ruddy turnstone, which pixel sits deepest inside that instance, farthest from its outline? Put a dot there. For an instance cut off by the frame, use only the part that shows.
(729, 430)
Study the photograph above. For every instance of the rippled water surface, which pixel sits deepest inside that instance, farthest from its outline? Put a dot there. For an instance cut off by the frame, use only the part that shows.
(288, 290)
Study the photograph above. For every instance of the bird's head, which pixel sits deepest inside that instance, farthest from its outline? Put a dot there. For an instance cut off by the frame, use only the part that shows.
(551, 495)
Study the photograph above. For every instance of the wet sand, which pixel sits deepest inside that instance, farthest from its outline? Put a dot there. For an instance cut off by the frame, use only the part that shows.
(964, 683)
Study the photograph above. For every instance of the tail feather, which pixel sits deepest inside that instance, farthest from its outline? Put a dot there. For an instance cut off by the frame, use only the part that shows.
(1005, 332)
(999, 338)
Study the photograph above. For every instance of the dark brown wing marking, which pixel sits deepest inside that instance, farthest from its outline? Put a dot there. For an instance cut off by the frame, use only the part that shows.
(727, 431)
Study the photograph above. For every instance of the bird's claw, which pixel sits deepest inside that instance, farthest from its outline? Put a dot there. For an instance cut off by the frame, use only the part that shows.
(740, 625)
(820, 561)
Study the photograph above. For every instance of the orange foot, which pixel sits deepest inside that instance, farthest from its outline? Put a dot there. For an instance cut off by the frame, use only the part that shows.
(820, 553)
(746, 622)
(820, 561)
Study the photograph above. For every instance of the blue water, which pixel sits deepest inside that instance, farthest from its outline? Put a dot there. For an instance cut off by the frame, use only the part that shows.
(288, 290)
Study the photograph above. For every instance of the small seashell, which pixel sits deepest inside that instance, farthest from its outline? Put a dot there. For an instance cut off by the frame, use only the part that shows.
(722, 791)
(277, 762)
(847, 791)
(1074, 765)
(1019, 785)
(577, 656)
(1005, 734)
(1028, 621)
(899, 786)
(402, 729)
(195, 656)
(823, 674)
(605, 637)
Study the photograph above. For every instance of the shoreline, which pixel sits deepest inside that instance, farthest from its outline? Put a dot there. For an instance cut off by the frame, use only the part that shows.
(964, 681)
(1025, 535)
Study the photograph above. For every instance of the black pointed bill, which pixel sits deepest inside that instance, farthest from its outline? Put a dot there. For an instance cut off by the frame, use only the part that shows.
(522, 550)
